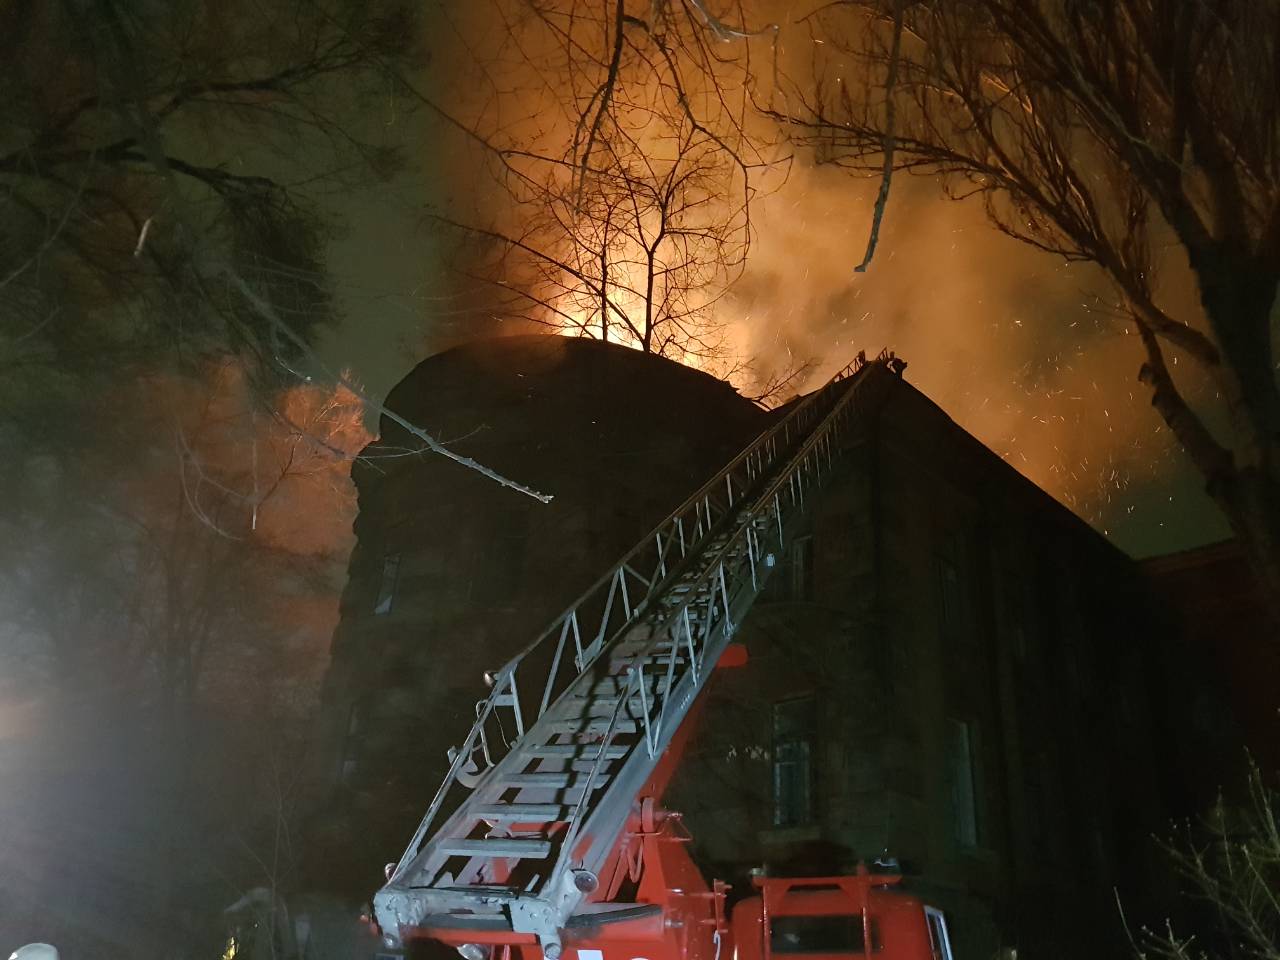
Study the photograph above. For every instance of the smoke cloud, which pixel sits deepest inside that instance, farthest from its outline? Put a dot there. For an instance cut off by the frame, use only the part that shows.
(1017, 346)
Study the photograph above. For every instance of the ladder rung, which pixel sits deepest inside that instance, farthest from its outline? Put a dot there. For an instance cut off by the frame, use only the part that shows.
(515, 849)
(552, 780)
(606, 703)
(682, 590)
(577, 751)
(695, 608)
(635, 659)
(630, 650)
(586, 766)
(594, 725)
(616, 684)
(522, 812)
(631, 646)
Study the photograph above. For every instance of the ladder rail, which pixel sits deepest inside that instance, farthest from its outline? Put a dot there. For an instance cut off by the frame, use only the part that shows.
(713, 633)
(685, 529)
(674, 521)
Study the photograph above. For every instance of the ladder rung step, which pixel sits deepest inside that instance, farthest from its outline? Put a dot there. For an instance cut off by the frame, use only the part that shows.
(586, 766)
(612, 686)
(682, 591)
(609, 701)
(631, 649)
(523, 812)
(633, 645)
(515, 849)
(577, 751)
(695, 608)
(557, 780)
(607, 704)
(594, 725)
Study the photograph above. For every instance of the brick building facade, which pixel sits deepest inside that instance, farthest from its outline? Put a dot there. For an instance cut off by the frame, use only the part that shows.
(950, 670)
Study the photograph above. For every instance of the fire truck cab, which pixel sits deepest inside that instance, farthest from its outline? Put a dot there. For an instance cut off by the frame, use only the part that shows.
(837, 918)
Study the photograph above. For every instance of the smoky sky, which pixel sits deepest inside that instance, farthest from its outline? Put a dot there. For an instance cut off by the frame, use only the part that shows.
(1016, 346)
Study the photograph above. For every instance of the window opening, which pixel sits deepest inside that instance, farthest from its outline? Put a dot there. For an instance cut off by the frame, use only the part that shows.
(794, 724)
(387, 588)
(821, 934)
(964, 801)
(802, 569)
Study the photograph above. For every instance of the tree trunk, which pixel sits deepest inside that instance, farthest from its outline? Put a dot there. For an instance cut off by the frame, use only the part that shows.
(1238, 293)
(1253, 508)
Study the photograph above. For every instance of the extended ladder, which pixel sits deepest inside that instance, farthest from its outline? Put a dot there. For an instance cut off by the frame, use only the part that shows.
(574, 723)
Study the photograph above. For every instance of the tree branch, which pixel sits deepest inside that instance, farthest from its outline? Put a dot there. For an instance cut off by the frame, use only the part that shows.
(887, 142)
(265, 310)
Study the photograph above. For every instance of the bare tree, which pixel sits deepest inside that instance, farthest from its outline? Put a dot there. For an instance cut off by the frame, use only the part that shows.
(638, 254)
(1098, 132)
(630, 177)
(175, 606)
(168, 129)
(1230, 868)
(163, 202)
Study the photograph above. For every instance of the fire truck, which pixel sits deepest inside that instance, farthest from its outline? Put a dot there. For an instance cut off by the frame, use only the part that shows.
(548, 839)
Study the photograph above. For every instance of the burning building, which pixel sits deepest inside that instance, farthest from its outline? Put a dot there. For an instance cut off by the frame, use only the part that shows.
(948, 670)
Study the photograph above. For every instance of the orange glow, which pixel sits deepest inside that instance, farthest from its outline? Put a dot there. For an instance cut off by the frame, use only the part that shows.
(1020, 349)
(1017, 347)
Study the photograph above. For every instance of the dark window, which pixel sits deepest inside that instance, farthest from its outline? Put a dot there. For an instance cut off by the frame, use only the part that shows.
(952, 565)
(1101, 851)
(351, 743)
(353, 721)
(802, 569)
(792, 577)
(387, 588)
(1039, 821)
(829, 934)
(1020, 642)
(962, 771)
(1015, 613)
(950, 597)
(793, 736)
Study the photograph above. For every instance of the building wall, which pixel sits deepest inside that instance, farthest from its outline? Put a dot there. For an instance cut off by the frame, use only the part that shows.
(1221, 693)
(975, 657)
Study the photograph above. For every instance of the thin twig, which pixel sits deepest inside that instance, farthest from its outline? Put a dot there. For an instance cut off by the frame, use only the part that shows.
(889, 142)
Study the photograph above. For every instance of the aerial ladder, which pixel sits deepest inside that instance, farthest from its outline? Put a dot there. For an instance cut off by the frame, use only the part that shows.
(547, 834)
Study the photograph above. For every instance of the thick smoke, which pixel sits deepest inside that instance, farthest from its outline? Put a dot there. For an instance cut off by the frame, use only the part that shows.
(1018, 347)
(1021, 349)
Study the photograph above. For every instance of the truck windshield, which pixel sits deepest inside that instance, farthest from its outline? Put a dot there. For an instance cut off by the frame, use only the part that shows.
(822, 934)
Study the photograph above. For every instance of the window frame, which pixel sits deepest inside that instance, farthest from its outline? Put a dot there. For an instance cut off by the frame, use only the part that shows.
(965, 781)
(388, 583)
(799, 743)
(802, 556)
(939, 935)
